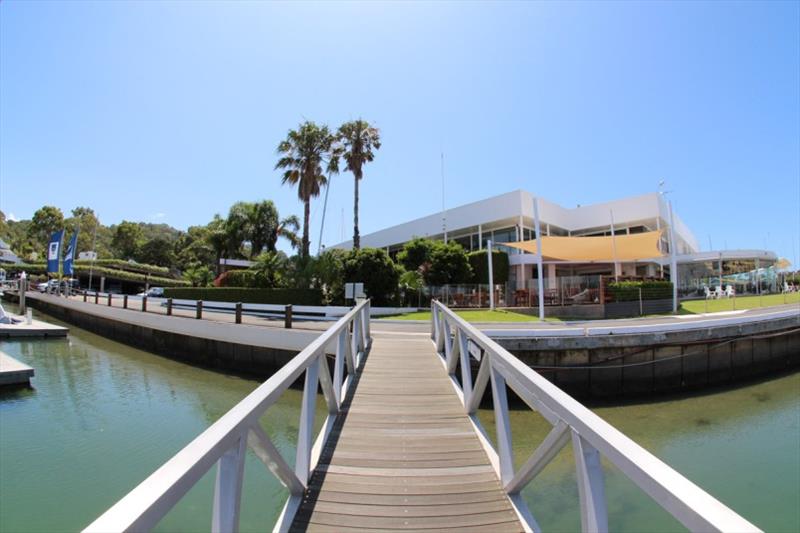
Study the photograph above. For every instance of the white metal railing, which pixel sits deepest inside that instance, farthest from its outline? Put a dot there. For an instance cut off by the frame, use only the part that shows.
(225, 442)
(457, 342)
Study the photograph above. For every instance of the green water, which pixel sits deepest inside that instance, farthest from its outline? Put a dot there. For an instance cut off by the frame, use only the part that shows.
(102, 416)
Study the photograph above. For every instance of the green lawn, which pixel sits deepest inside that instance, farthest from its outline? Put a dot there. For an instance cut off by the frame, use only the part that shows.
(743, 302)
(687, 308)
(477, 315)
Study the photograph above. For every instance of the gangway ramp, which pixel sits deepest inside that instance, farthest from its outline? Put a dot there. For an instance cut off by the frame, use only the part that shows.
(404, 454)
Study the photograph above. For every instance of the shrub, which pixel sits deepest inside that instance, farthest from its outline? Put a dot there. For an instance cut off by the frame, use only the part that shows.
(247, 295)
(480, 266)
(415, 253)
(627, 291)
(110, 273)
(374, 268)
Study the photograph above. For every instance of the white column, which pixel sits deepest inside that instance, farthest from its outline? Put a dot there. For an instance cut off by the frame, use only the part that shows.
(539, 256)
(480, 237)
(551, 275)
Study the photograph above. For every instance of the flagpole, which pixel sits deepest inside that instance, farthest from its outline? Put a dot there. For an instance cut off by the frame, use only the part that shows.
(614, 247)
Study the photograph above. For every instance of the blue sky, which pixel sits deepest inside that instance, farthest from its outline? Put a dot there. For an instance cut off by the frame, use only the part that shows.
(172, 111)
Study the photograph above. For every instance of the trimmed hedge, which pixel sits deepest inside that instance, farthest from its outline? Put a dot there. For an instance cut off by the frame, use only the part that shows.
(119, 264)
(110, 273)
(628, 291)
(480, 266)
(249, 296)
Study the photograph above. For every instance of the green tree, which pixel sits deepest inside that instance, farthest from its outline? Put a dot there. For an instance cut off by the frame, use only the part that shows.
(193, 249)
(358, 139)
(85, 221)
(45, 221)
(416, 253)
(263, 224)
(217, 238)
(237, 228)
(375, 269)
(127, 239)
(480, 266)
(156, 251)
(448, 265)
(199, 276)
(286, 228)
(303, 154)
(269, 270)
(329, 275)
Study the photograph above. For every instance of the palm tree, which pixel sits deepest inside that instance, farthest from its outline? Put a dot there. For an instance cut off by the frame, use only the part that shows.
(358, 138)
(286, 228)
(304, 152)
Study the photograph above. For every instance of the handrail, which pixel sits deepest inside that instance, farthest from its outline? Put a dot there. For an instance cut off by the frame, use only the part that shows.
(457, 341)
(225, 442)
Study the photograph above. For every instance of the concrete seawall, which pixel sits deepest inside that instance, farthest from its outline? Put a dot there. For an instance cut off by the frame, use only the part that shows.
(644, 363)
(248, 349)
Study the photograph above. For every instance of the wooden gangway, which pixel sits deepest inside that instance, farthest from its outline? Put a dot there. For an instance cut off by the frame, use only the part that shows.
(404, 455)
(402, 447)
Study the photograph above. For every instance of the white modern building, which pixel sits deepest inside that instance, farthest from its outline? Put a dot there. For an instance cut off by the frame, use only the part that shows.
(509, 218)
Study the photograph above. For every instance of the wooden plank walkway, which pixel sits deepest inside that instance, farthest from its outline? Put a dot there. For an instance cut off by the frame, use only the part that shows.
(404, 455)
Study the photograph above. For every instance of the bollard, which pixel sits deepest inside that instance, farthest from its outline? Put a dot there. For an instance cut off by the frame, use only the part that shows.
(169, 306)
(124, 301)
(238, 312)
(287, 317)
(96, 297)
(199, 313)
(144, 304)
(84, 296)
(109, 299)
(641, 309)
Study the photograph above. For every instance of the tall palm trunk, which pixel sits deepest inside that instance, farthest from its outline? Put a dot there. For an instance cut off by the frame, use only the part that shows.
(306, 217)
(356, 236)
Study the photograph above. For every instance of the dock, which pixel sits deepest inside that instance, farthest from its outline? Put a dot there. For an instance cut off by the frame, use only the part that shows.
(13, 372)
(36, 328)
(404, 455)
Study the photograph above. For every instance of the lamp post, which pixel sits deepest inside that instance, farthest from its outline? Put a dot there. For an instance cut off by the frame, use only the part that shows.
(539, 256)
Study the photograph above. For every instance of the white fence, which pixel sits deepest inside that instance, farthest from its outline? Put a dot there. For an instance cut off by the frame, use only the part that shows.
(225, 442)
(457, 342)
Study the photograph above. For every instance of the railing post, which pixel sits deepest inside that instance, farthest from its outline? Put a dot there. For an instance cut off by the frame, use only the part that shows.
(368, 311)
(228, 488)
(124, 301)
(238, 312)
(169, 306)
(199, 311)
(594, 516)
(305, 433)
(287, 317)
(466, 370)
(109, 299)
(144, 304)
(84, 296)
(338, 365)
(502, 424)
(96, 297)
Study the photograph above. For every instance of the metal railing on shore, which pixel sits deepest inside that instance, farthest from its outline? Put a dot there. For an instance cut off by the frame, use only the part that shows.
(225, 442)
(457, 342)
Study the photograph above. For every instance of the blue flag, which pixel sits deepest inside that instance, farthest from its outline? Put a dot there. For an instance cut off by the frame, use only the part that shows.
(69, 255)
(54, 252)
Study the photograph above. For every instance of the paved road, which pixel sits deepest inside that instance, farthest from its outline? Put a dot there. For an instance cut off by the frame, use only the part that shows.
(409, 328)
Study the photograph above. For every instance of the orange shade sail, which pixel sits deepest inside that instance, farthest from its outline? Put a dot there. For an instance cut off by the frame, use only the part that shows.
(602, 249)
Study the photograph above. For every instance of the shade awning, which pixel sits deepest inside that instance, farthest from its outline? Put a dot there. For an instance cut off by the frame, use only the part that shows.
(604, 249)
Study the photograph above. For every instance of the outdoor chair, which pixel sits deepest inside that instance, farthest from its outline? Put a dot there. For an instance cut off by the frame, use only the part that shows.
(708, 294)
(729, 291)
(718, 293)
(580, 297)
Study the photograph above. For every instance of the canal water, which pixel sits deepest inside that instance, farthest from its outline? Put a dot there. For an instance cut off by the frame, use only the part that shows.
(101, 416)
